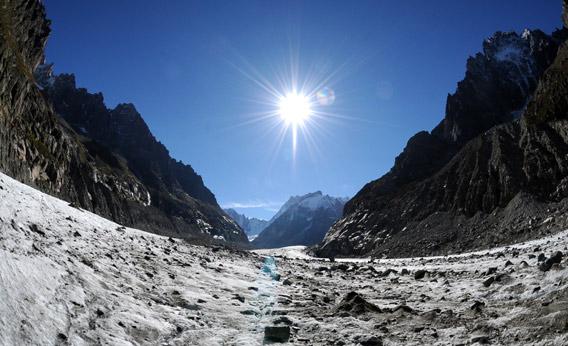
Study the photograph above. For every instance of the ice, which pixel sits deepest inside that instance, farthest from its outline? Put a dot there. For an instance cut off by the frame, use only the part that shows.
(69, 276)
(87, 280)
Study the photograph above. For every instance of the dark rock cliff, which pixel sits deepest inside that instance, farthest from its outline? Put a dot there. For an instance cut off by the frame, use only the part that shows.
(124, 131)
(485, 176)
(35, 147)
(39, 148)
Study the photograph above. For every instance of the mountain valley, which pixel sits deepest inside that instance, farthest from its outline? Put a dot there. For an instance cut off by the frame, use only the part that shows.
(106, 239)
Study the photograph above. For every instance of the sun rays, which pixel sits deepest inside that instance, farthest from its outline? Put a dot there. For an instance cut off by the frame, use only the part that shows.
(293, 102)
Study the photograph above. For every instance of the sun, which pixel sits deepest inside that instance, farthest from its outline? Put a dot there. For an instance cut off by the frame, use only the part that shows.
(294, 108)
(296, 103)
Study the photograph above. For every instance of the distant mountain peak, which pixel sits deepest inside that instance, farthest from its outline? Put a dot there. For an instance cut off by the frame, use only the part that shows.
(302, 220)
(251, 225)
(312, 200)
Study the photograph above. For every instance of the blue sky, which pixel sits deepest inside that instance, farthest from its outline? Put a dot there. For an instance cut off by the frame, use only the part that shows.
(186, 65)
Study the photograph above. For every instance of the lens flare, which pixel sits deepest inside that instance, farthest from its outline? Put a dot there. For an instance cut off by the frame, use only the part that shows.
(326, 96)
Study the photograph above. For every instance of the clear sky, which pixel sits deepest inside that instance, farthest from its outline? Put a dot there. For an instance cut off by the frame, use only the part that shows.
(196, 69)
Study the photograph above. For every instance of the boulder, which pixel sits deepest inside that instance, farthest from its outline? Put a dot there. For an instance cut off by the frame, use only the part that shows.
(354, 304)
(276, 333)
(419, 274)
(547, 264)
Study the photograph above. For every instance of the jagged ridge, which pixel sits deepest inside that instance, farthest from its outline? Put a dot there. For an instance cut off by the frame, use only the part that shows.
(454, 188)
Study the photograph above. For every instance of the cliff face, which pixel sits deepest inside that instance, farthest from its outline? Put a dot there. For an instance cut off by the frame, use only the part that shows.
(496, 88)
(482, 177)
(124, 131)
(497, 84)
(35, 147)
(38, 148)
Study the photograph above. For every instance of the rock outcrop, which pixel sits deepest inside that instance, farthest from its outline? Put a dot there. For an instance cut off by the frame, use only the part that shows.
(488, 174)
(39, 148)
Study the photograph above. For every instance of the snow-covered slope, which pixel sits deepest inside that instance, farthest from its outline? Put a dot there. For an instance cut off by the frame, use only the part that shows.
(67, 275)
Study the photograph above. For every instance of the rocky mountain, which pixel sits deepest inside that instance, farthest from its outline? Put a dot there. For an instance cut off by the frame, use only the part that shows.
(102, 160)
(123, 131)
(251, 225)
(302, 220)
(490, 173)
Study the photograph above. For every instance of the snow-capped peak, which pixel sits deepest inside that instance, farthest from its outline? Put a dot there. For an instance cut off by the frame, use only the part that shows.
(310, 201)
(317, 200)
(508, 46)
